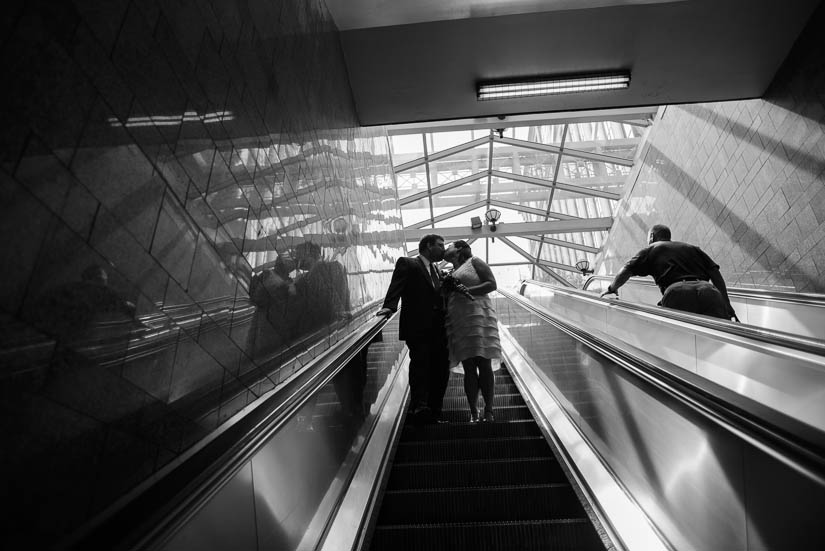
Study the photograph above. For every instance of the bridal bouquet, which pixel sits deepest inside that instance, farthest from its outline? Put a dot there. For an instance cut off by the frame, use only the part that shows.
(451, 283)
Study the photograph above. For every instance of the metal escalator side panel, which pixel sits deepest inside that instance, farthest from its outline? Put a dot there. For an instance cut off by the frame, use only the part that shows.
(703, 483)
(785, 375)
(801, 314)
(615, 508)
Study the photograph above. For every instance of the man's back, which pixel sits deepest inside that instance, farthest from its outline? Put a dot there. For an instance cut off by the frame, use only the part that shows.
(672, 261)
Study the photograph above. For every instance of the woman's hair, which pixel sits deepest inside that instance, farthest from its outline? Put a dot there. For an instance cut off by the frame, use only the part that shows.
(462, 249)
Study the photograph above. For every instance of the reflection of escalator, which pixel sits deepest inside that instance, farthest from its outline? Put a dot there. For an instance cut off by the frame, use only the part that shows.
(480, 485)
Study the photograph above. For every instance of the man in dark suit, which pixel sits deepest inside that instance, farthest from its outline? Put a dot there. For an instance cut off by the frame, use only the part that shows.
(416, 283)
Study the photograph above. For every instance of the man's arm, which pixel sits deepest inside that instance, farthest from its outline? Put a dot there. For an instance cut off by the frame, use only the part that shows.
(620, 279)
(396, 288)
(719, 282)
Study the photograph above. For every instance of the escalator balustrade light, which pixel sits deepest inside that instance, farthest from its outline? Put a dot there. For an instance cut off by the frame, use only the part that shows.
(548, 86)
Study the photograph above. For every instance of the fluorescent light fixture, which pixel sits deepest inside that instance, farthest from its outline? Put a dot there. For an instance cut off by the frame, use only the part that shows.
(172, 120)
(547, 86)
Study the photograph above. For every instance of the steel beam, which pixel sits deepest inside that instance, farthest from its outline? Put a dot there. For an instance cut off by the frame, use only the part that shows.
(514, 229)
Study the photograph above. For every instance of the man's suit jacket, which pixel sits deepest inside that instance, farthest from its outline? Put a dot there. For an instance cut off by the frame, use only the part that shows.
(422, 305)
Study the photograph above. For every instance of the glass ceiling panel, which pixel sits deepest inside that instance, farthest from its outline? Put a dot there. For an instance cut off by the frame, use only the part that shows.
(503, 253)
(439, 141)
(549, 134)
(601, 131)
(462, 219)
(527, 162)
(411, 181)
(515, 216)
(582, 206)
(462, 195)
(406, 148)
(416, 212)
(593, 174)
(520, 194)
(458, 165)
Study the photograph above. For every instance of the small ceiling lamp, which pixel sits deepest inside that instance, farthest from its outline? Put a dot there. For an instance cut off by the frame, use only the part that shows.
(584, 267)
(548, 86)
(492, 217)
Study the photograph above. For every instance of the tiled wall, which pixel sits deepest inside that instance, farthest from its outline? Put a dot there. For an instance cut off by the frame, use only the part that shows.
(189, 213)
(744, 180)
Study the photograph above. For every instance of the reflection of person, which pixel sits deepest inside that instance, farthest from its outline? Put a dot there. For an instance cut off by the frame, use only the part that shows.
(321, 288)
(416, 283)
(272, 292)
(75, 310)
(350, 382)
(682, 272)
(91, 322)
(472, 328)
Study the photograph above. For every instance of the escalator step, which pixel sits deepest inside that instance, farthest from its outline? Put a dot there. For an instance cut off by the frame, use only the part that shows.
(457, 381)
(503, 414)
(465, 474)
(557, 534)
(484, 504)
(459, 431)
(459, 401)
(477, 448)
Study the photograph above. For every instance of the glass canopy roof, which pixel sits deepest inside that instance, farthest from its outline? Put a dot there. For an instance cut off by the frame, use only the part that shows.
(555, 185)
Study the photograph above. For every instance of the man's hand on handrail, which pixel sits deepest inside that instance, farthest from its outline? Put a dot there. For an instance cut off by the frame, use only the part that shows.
(383, 312)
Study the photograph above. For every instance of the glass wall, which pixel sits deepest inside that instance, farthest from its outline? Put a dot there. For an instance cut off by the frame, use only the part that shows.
(191, 215)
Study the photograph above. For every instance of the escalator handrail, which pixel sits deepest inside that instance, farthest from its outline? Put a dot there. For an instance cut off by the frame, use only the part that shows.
(798, 446)
(739, 330)
(164, 503)
(807, 299)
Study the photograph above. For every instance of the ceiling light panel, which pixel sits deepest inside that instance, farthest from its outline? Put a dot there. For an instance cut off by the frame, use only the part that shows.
(549, 86)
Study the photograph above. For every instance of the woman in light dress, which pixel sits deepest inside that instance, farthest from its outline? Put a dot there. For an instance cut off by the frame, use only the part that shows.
(472, 328)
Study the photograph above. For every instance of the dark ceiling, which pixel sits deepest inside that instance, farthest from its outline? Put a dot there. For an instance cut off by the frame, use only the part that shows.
(677, 52)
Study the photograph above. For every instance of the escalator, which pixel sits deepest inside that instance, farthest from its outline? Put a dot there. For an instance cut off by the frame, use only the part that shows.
(487, 485)
(597, 444)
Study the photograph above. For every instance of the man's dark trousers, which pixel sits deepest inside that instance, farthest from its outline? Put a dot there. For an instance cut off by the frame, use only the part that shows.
(697, 297)
(429, 368)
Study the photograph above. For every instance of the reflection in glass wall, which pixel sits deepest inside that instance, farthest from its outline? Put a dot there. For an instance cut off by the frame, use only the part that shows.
(541, 174)
(191, 215)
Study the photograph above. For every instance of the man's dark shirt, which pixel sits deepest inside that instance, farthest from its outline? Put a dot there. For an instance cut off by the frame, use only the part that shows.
(671, 261)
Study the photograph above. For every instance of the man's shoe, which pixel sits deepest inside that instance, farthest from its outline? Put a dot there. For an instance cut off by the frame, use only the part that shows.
(422, 416)
(474, 417)
(488, 417)
(435, 418)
